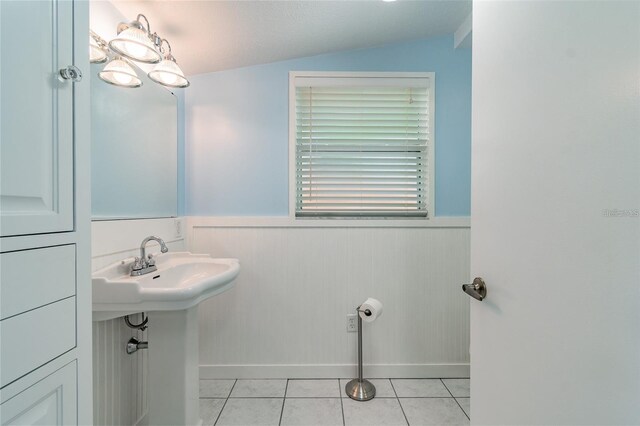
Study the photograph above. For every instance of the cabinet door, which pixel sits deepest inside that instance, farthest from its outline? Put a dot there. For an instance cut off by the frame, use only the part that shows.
(51, 401)
(36, 133)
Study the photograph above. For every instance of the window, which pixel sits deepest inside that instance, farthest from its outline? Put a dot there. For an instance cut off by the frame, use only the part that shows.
(361, 144)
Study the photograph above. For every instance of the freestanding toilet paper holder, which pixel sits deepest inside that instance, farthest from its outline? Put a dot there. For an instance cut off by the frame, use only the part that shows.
(360, 389)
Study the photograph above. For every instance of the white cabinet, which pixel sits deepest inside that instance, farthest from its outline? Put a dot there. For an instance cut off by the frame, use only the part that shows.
(36, 124)
(45, 287)
(51, 401)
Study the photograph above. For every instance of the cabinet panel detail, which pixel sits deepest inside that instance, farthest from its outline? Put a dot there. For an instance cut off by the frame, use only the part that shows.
(51, 401)
(36, 125)
(33, 338)
(33, 278)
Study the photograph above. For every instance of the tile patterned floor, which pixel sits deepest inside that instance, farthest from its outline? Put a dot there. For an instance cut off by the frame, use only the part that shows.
(323, 402)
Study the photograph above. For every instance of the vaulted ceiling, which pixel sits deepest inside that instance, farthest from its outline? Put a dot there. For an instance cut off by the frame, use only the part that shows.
(215, 35)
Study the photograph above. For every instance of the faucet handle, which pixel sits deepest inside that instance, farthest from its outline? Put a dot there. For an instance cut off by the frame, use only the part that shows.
(151, 261)
(137, 264)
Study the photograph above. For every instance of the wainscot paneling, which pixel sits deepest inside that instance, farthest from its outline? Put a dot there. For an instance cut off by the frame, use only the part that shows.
(120, 394)
(286, 314)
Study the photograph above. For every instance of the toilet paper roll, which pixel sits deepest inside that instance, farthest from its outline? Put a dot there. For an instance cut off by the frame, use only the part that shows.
(373, 305)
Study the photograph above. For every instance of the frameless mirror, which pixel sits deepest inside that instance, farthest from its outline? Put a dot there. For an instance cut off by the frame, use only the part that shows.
(134, 143)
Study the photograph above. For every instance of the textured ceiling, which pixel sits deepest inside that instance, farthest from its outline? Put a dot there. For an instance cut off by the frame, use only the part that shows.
(216, 35)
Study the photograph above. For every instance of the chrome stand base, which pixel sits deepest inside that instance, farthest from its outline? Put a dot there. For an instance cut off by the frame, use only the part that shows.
(360, 390)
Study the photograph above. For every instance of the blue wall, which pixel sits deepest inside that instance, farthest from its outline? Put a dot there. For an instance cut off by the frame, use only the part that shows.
(236, 159)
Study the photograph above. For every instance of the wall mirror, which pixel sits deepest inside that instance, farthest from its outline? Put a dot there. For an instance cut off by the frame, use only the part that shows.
(134, 143)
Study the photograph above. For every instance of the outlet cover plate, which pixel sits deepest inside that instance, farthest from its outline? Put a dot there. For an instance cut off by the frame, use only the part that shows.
(178, 227)
(352, 323)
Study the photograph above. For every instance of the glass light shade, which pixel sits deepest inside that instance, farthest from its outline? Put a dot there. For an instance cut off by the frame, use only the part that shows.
(134, 43)
(96, 54)
(120, 73)
(169, 74)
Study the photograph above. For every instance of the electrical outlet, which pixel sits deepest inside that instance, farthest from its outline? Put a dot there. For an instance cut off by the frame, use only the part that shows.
(178, 228)
(352, 323)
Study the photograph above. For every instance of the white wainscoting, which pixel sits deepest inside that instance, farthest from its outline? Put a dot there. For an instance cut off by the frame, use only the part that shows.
(120, 380)
(286, 315)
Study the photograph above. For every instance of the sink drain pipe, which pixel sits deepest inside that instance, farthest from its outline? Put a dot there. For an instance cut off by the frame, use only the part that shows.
(141, 326)
(134, 345)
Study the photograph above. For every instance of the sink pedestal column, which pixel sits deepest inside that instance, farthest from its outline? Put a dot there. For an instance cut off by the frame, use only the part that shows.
(173, 368)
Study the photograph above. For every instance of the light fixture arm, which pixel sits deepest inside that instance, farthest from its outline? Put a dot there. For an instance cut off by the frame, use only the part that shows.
(154, 37)
(167, 55)
(99, 40)
(148, 27)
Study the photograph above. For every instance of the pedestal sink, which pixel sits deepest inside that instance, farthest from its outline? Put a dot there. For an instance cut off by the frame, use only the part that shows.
(170, 296)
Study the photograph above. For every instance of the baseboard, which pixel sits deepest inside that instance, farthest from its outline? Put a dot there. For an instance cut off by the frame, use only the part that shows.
(279, 371)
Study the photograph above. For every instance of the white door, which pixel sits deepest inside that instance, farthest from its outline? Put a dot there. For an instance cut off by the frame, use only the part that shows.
(36, 120)
(555, 228)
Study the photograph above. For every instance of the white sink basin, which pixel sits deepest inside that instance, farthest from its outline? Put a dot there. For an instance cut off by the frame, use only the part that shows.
(182, 280)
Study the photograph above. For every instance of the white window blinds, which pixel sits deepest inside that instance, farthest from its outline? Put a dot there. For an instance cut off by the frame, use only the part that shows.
(362, 149)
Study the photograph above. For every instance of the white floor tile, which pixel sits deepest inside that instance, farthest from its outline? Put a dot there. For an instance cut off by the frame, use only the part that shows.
(376, 412)
(420, 388)
(383, 388)
(465, 403)
(215, 388)
(251, 412)
(313, 388)
(312, 412)
(318, 403)
(433, 411)
(259, 389)
(209, 410)
(458, 387)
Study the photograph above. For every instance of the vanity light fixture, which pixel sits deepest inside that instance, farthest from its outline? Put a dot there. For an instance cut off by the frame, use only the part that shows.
(167, 72)
(135, 41)
(119, 73)
(97, 49)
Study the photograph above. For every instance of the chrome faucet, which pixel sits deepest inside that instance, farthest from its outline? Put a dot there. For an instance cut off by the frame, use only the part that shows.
(145, 264)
